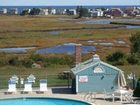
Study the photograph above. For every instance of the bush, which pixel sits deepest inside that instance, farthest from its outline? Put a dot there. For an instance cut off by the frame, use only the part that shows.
(37, 57)
(3, 61)
(66, 60)
(135, 43)
(27, 62)
(14, 61)
(117, 58)
(133, 59)
(137, 89)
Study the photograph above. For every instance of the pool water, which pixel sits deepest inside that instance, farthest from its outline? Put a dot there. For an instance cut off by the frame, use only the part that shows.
(41, 101)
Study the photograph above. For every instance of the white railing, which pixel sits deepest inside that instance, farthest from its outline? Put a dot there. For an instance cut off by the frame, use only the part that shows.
(90, 97)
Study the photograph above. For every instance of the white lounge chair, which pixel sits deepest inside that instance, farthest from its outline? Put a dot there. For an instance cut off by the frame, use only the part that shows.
(108, 95)
(27, 87)
(122, 94)
(14, 78)
(12, 87)
(43, 85)
(31, 78)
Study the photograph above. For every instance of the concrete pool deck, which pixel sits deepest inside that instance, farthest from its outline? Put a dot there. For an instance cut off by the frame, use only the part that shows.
(58, 93)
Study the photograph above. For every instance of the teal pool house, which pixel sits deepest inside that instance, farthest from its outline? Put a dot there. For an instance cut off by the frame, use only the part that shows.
(95, 75)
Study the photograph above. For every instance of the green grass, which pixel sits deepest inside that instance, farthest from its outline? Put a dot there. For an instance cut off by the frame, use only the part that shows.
(50, 73)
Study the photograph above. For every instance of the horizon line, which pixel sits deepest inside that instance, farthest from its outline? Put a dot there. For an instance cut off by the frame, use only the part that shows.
(71, 5)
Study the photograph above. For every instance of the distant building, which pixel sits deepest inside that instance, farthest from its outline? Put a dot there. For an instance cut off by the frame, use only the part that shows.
(52, 11)
(129, 11)
(44, 12)
(59, 11)
(3, 11)
(97, 13)
(136, 11)
(13, 11)
(72, 11)
(114, 12)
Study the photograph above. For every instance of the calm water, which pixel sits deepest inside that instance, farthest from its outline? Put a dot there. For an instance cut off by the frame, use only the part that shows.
(66, 48)
(132, 26)
(107, 21)
(55, 32)
(41, 101)
(16, 50)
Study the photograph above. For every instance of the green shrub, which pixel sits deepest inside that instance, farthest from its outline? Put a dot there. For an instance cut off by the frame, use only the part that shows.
(117, 58)
(66, 60)
(37, 57)
(133, 59)
(14, 61)
(135, 43)
(3, 62)
(27, 62)
(136, 92)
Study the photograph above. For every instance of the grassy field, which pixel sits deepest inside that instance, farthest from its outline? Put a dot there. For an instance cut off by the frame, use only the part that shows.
(17, 31)
(51, 74)
(33, 31)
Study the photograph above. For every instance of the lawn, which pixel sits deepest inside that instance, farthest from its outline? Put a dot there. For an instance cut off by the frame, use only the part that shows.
(50, 73)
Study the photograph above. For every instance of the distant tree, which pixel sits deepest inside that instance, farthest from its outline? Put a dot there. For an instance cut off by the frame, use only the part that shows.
(78, 9)
(135, 43)
(24, 12)
(68, 12)
(35, 11)
(83, 12)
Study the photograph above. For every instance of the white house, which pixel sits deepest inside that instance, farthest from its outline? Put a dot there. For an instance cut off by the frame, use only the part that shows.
(44, 12)
(72, 11)
(14, 11)
(4, 11)
(53, 11)
(97, 13)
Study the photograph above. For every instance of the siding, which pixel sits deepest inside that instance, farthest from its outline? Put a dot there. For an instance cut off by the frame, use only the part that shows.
(98, 82)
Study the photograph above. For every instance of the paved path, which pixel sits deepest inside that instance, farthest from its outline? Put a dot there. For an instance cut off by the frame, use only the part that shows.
(59, 93)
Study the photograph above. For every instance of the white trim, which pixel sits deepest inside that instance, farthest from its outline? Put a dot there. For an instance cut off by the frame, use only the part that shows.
(76, 83)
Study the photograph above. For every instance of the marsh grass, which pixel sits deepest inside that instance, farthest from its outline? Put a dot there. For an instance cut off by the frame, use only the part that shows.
(21, 31)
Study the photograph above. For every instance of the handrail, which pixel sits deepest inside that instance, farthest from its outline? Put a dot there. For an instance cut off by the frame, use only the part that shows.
(90, 97)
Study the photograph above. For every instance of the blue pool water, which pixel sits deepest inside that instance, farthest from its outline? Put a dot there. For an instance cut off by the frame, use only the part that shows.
(66, 49)
(41, 101)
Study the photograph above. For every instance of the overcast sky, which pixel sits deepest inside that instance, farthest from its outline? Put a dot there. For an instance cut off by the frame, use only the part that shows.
(67, 2)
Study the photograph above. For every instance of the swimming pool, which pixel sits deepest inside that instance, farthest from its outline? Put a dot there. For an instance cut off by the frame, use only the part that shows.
(41, 101)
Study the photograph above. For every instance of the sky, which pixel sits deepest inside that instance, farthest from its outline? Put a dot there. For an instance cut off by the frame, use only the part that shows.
(66, 2)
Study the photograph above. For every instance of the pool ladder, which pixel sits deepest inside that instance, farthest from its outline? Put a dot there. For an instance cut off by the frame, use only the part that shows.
(90, 97)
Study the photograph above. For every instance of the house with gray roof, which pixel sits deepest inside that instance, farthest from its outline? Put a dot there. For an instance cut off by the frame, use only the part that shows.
(95, 75)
